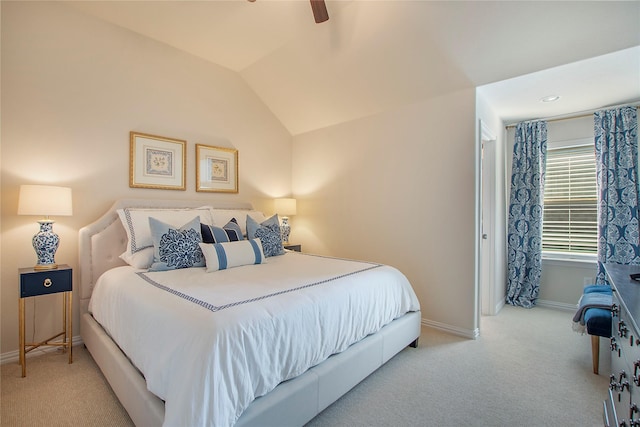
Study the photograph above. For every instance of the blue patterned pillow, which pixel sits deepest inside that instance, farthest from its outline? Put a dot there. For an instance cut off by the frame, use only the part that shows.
(176, 248)
(231, 232)
(269, 234)
(253, 225)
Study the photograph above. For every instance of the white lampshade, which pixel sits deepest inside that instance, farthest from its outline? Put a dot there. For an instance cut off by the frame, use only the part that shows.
(285, 207)
(45, 200)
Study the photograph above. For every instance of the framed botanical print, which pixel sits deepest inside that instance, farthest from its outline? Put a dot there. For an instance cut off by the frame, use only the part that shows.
(216, 169)
(157, 162)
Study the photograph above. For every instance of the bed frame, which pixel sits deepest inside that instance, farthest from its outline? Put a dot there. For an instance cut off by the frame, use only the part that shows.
(292, 403)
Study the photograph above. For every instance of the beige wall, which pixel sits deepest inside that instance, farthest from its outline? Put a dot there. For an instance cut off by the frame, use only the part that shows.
(562, 282)
(398, 188)
(72, 90)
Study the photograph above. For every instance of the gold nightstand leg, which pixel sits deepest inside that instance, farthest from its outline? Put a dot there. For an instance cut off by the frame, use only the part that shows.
(23, 363)
(70, 331)
(64, 320)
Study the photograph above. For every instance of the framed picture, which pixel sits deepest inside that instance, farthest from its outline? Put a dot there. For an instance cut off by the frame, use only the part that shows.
(157, 162)
(216, 169)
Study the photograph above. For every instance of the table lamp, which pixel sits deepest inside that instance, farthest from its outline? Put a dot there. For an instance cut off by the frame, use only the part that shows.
(45, 200)
(284, 208)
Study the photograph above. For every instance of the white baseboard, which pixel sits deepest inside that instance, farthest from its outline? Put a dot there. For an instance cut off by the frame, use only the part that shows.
(557, 305)
(474, 334)
(454, 330)
(14, 356)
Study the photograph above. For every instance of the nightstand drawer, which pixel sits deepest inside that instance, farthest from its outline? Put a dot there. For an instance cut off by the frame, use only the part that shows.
(34, 282)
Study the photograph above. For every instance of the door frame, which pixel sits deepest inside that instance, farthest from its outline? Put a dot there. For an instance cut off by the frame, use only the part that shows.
(486, 279)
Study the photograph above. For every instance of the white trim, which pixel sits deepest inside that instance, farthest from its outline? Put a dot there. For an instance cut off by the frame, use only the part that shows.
(14, 356)
(454, 330)
(500, 305)
(556, 305)
(567, 259)
(486, 133)
(486, 292)
(477, 223)
(576, 114)
(566, 143)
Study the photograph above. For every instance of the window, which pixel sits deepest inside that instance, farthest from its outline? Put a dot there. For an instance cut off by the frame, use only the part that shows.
(570, 219)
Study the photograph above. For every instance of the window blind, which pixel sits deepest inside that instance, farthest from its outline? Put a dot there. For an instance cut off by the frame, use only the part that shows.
(570, 217)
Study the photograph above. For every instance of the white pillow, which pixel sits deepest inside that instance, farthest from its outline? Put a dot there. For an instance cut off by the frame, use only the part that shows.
(141, 259)
(220, 256)
(139, 252)
(223, 216)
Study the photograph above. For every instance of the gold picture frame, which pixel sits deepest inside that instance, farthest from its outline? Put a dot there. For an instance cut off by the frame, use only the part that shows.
(216, 169)
(157, 162)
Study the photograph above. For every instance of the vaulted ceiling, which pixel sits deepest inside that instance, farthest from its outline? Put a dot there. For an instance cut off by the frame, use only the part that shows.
(372, 56)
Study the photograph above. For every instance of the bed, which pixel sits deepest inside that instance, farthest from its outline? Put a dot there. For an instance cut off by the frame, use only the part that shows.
(292, 400)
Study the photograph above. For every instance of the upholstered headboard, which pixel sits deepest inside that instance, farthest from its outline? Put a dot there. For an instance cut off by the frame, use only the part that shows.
(102, 242)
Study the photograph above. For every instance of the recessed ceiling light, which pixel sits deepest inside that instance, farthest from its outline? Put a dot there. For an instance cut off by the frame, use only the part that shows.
(550, 98)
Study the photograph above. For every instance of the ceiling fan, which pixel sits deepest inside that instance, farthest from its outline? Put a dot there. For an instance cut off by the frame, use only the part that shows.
(319, 9)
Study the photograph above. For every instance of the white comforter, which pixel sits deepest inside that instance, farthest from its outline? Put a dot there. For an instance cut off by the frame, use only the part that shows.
(208, 344)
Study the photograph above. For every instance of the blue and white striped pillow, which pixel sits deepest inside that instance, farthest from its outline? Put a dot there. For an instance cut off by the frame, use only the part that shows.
(220, 256)
(230, 232)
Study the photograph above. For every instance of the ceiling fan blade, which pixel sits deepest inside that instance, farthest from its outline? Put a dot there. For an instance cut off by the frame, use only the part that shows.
(320, 13)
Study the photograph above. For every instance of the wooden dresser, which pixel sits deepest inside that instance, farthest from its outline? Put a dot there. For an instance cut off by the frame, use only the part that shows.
(622, 407)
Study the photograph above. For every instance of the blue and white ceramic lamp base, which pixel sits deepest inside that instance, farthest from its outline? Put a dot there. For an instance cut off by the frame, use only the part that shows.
(286, 229)
(46, 244)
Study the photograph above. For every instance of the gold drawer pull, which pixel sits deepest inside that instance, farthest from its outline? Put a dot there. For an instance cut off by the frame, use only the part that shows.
(47, 282)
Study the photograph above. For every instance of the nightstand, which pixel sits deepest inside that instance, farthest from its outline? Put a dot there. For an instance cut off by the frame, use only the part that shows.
(292, 247)
(34, 283)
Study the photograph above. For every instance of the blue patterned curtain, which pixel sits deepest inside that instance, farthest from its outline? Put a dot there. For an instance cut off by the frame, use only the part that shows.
(616, 140)
(524, 238)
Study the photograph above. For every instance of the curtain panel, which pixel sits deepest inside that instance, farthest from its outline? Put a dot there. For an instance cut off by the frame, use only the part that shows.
(524, 236)
(616, 145)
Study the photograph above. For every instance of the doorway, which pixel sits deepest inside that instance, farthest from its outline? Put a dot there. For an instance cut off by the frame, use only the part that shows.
(487, 276)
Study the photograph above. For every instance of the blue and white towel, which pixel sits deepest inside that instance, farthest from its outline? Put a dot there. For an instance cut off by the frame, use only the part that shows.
(587, 301)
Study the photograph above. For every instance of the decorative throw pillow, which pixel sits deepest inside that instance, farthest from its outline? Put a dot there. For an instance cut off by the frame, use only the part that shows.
(269, 234)
(176, 247)
(231, 232)
(220, 256)
(139, 251)
(223, 216)
(141, 259)
(253, 224)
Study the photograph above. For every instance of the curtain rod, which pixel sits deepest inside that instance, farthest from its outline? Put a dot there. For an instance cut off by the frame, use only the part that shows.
(577, 115)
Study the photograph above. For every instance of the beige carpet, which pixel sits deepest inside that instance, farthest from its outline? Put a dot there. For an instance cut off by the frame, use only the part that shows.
(56, 393)
(527, 369)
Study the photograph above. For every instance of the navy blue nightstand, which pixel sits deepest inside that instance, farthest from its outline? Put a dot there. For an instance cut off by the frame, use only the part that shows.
(34, 283)
(293, 247)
